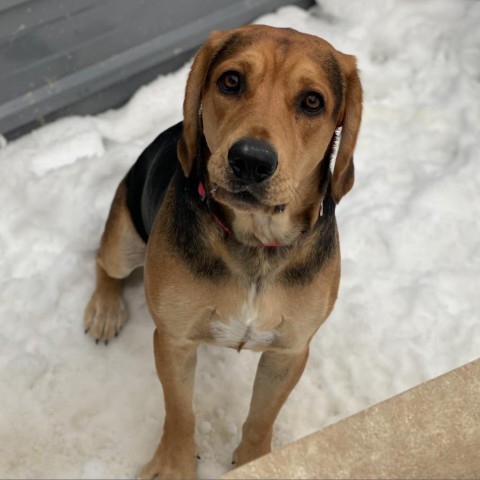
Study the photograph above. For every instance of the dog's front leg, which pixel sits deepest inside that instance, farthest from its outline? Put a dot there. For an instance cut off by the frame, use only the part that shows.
(276, 376)
(175, 455)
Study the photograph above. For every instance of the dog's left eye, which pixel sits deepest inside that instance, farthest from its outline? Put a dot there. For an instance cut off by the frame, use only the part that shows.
(230, 82)
(312, 103)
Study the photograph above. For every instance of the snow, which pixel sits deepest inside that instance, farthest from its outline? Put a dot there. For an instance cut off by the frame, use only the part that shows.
(409, 302)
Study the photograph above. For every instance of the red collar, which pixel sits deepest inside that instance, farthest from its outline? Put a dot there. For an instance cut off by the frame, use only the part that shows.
(203, 196)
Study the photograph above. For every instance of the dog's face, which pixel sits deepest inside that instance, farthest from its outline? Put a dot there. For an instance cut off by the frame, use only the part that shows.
(267, 102)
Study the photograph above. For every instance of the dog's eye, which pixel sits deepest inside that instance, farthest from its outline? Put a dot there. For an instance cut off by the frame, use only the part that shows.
(312, 103)
(230, 82)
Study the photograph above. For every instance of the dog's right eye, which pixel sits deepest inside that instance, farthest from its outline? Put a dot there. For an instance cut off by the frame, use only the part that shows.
(230, 82)
(312, 103)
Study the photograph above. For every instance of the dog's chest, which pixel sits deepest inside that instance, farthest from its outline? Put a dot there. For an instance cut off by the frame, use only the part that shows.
(247, 321)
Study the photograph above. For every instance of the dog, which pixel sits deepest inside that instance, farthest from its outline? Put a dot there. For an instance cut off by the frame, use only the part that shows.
(232, 214)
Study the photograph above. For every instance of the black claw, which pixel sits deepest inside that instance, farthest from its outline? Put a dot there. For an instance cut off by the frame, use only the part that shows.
(199, 457)
(86, 330)
(97, 340)
(233, 462)
(106, 342)
(116, 334)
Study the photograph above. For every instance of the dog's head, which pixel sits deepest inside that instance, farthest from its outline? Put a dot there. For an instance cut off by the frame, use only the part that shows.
(266, 102)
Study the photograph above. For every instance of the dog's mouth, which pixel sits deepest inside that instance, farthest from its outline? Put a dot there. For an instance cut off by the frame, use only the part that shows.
(244, 200)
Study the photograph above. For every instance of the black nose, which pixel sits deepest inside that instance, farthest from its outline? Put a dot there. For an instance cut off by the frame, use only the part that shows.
(252, 160)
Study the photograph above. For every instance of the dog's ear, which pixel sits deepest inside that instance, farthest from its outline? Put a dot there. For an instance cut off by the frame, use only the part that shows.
(349, 119)
(187, 145)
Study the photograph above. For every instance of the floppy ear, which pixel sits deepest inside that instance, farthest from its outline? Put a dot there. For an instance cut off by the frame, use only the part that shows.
(187, 145)
(350, 119)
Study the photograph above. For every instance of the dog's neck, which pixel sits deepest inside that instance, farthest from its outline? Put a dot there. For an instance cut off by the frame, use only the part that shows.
(211, 248)
(262, 227)
(258, 229)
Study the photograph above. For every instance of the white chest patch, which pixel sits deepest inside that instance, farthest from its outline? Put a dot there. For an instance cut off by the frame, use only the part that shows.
(241, 330)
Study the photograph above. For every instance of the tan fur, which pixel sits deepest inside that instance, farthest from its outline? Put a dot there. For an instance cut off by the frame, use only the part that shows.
(276, 318)
(121, 251)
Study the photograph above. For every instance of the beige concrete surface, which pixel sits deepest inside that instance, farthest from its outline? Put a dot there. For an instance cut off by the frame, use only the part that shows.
(431, 431)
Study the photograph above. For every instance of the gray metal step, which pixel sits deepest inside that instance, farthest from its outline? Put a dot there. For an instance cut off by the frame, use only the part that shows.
(61, 57)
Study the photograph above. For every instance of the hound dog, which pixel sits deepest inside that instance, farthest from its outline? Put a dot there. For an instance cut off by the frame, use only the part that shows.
(232, 214)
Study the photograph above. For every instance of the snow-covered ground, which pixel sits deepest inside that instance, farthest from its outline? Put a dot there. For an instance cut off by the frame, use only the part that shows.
(409, 303)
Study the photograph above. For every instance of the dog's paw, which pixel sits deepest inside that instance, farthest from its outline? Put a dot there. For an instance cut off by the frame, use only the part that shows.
(159, 469)
(246, 452)
(105, 315)
(171, 460)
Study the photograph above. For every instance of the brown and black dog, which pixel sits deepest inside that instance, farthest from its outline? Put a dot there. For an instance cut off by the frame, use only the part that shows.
(232, 213)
